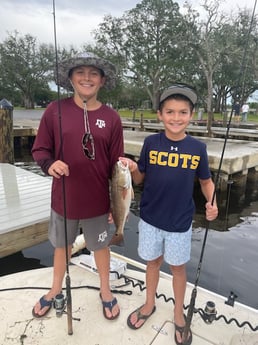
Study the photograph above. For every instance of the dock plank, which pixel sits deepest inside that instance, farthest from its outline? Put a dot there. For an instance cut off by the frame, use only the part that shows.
(24, 208)
(218, 132)
(22, 238)
(239, 156)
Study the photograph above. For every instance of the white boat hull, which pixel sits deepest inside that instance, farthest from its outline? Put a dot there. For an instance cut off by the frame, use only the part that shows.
(19, 327)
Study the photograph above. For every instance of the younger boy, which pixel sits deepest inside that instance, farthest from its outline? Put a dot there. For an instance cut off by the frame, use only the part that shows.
(169, 163)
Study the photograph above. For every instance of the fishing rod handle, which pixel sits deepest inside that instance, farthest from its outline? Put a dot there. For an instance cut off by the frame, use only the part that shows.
(69, 306)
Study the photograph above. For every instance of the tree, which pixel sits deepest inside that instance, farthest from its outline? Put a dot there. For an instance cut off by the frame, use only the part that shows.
(236, 75)
(219, 43)
(144, 43)
(25, 66)
(246, 31)
(209, 43)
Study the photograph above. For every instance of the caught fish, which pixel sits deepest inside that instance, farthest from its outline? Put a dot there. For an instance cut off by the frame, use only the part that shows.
(121, 197)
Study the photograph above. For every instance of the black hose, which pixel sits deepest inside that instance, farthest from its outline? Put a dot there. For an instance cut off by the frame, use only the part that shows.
(135, 283)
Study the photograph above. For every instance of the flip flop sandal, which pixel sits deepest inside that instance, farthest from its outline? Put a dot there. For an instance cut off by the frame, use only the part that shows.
(110, 306)
(140, 316)
(43, 303)
(181, 331)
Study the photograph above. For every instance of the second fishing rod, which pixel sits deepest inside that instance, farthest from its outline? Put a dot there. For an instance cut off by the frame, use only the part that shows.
(238, 95)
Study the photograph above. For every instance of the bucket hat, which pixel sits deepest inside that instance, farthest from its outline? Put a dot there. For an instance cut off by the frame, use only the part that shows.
(86, 59)
(179, 89)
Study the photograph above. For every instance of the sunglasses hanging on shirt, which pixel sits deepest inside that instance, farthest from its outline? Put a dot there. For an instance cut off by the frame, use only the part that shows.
(87, 139)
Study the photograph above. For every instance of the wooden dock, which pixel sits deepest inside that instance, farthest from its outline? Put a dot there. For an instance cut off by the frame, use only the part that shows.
(240, 131)
(244, 132)
(241, 154)
(25, 128)
(240, 157)
(24, 208)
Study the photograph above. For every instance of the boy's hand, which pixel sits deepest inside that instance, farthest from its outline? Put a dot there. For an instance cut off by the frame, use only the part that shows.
(58, 169)
(211, 211)
(132, 165)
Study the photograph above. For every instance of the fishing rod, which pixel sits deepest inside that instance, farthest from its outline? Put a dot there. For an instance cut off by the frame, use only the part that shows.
(67, 280)
(240, 88)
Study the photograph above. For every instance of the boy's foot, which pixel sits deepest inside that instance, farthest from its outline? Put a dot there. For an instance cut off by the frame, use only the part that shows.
(109, 308)
(42, 307)
(179, 331)
(142, 318)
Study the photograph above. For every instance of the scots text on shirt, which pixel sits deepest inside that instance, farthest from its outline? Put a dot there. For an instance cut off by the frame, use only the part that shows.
(183, 160)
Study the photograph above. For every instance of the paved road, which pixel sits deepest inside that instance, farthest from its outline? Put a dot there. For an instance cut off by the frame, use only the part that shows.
(33, 114)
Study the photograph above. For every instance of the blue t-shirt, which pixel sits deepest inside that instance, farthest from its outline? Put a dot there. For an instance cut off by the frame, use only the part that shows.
(170, 169)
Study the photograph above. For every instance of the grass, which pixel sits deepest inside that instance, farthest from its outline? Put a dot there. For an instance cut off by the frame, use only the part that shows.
(149, 115)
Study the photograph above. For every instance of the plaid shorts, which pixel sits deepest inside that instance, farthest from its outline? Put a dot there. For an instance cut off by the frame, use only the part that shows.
(154, 242)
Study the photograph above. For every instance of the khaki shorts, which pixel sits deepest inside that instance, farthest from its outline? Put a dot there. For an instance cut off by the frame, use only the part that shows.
(97, 231)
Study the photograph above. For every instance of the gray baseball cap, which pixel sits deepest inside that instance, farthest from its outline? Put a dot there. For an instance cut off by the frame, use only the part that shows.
(179, 89)
(86, 59)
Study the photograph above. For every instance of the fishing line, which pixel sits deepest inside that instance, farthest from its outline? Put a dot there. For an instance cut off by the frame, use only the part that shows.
(239, 92)
(68, 280)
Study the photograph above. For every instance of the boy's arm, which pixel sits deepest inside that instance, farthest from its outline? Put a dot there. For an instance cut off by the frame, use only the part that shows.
(137, 176)
(207, 187)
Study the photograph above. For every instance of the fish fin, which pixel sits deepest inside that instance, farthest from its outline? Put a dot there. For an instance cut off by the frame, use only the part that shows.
(126, 190)
(117, 240)
(132, 194)
(124, 193)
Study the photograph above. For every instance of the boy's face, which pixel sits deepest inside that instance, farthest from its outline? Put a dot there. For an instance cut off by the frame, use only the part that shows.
(87, 80)
(175, 115)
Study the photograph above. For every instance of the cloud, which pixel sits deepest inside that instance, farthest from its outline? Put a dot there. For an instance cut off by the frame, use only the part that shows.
(75, 20)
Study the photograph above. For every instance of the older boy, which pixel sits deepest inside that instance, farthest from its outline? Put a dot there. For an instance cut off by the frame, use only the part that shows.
(83, 150)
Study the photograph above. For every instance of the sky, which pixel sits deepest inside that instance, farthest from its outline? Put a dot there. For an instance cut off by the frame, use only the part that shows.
(75, 19)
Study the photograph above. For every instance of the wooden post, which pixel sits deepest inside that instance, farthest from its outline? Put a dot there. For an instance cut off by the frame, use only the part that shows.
(6, 135)
(141, 122)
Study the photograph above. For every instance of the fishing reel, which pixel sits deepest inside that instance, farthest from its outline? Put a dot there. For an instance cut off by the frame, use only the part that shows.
(209, 313)
(59, 304)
